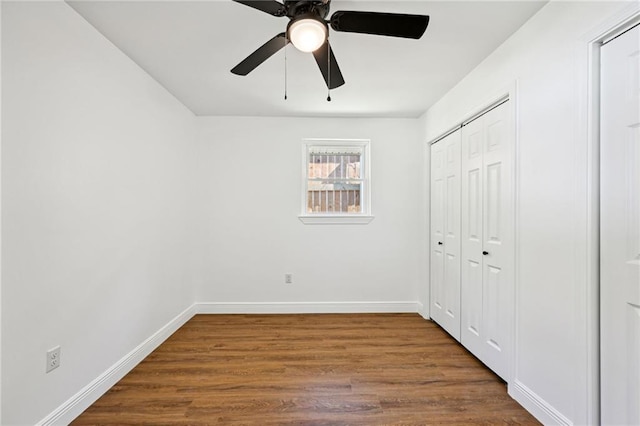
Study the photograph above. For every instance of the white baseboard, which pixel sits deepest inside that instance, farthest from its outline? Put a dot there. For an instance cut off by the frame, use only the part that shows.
(305, 307)
(75, 405)
(537, 406)
(424, 313)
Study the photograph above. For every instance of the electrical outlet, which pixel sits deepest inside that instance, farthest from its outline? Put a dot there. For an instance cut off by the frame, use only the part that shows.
(53, 358)
(288, 278)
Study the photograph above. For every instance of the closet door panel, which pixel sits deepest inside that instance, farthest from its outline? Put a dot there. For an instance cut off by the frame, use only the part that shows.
(472, 237)
(620, 230)
(437, 233)
(497, 287)
(474, 206)
(487, 289)
(471, 312)
(445, 233)
(452, 235)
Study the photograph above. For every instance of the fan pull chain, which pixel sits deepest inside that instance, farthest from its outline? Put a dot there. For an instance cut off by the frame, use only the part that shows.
(285, 68)
(328, 70)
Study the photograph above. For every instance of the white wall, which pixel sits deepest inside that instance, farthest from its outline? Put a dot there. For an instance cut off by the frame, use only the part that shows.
(547, 57)
(251, 169)
(97, 173)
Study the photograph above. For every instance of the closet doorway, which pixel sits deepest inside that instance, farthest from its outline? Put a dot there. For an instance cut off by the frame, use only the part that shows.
(472, 235)
(620, 229)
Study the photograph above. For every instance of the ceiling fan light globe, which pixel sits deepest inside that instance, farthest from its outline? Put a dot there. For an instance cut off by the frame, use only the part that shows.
(308, 34)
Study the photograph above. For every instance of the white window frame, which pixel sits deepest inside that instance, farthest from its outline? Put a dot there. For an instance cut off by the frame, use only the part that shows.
(338, 218)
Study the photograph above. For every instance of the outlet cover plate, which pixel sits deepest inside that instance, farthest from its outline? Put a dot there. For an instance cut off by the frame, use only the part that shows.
(53, 358)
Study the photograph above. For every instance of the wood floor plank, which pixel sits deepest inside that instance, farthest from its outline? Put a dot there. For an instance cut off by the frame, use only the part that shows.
(330, 369)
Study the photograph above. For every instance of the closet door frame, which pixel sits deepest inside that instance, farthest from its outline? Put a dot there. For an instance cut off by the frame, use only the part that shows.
(589, 302)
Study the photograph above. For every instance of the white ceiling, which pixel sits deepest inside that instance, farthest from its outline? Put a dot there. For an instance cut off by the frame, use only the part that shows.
(190, 46)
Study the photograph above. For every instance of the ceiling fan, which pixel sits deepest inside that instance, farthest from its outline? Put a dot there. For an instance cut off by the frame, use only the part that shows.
(308, 31)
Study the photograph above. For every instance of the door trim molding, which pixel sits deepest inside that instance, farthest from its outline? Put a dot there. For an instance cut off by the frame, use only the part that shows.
(617, 24)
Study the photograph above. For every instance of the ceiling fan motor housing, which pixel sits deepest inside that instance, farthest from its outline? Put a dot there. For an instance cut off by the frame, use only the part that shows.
(295, 8)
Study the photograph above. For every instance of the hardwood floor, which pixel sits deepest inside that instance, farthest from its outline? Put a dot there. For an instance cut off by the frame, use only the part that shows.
(331, 369)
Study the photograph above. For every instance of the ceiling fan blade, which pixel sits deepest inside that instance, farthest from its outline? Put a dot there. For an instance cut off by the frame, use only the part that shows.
(387, 24)
(263, 53)
(271, 7)
(335, 75)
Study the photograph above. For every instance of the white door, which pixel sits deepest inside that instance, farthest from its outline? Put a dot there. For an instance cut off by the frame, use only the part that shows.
(437, 233)
(620, 230)
(473, 136)
(487, 240)
(497, 233)
(445, 233)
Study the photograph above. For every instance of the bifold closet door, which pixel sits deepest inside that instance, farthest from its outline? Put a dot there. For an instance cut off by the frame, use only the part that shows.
(620, 230)
(445, 233)
(487, 287)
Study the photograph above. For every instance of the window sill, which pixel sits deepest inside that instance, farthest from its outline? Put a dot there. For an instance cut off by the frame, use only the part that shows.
(335, 220)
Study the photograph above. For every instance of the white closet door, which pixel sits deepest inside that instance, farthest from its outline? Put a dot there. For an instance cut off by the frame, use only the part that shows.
(473, 139)
(437, 233)
(620, 230)
(497, 274)
(487, 246)
(445, 233)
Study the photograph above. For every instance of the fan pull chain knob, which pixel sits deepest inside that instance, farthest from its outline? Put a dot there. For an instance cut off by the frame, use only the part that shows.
(285, 68)
(328, 69)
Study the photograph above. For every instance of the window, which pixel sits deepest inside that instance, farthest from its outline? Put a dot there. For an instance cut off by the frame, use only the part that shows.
(336, 181)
